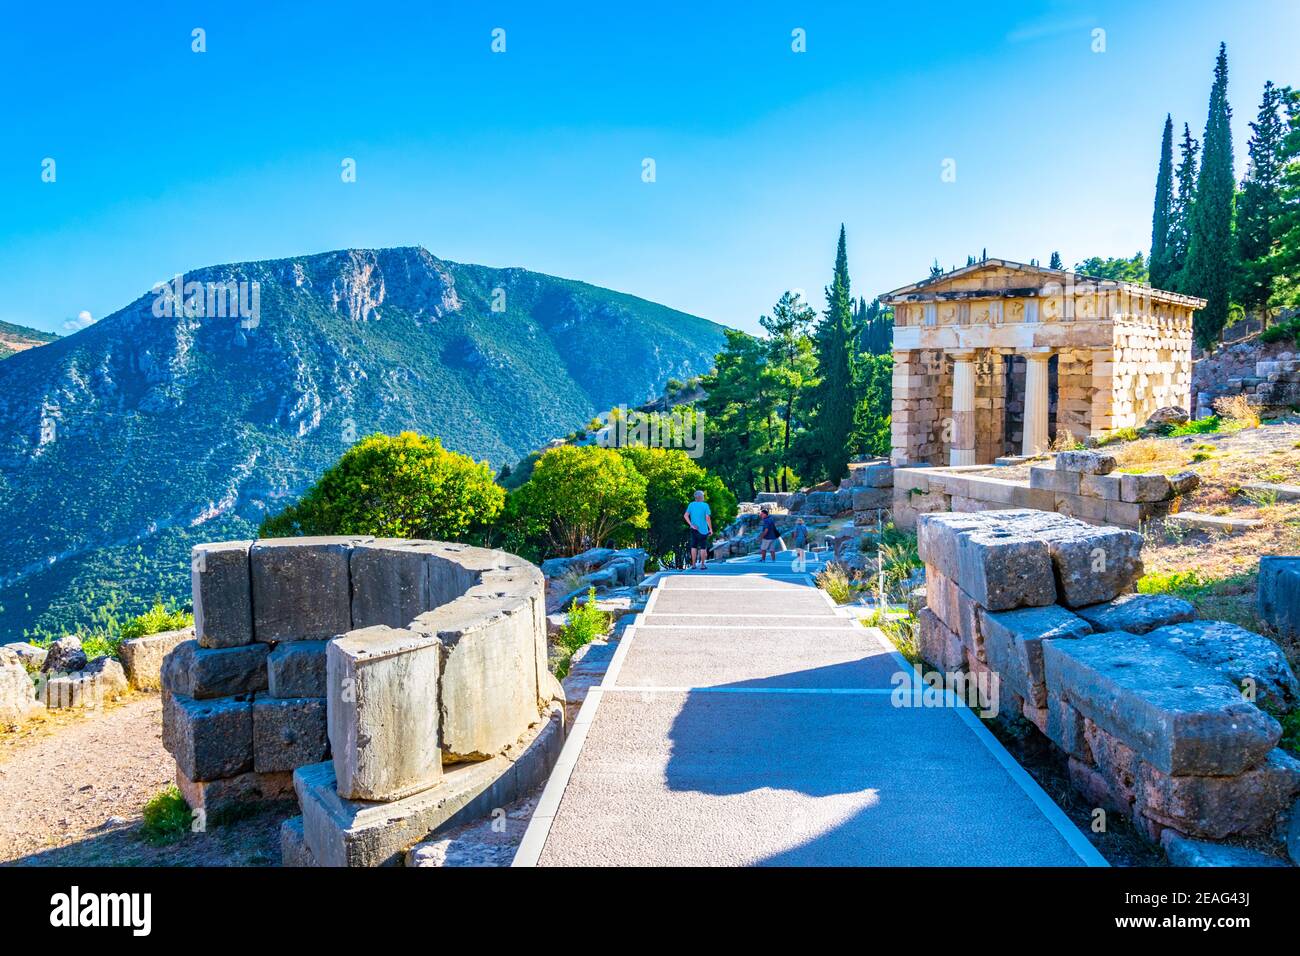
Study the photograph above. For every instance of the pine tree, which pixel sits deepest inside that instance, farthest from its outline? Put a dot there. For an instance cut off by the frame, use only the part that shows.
(1260, 203)
(1055, 261)
(834, 400)
(1180, 214)
(1285, 257)
(936, 270)
(1210, 271)
(1161, 223)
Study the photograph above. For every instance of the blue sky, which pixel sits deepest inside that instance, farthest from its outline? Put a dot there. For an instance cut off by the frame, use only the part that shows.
(168, 160)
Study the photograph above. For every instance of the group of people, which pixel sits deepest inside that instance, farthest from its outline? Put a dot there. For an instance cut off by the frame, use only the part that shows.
(699, 518)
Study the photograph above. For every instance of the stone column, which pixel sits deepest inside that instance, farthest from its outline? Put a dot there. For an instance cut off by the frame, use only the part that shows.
(962, 451)
(1036, 439)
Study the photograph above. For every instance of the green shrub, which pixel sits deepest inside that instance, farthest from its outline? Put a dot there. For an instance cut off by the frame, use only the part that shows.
(578, 498)
(835, 581)
(397, 486)
(167, 818)
(672, 478)
(161, 617)
(1179, 583)
(1118, 435)
(1197, 426)
(1283, 331)
(585, 622)
(902, 631)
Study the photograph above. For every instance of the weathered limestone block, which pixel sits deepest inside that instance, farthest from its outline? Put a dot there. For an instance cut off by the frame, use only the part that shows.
(878, 474)
(297, 669)
(1053, 479)
(1243, 657)
(1185, 852)
(937, 645)
(293, 844)
(1279, 594)
(1185, 482)
(1080, 506)
(31, 656)
(1013, 645)
(1177, 714)
(223, 596)
(210, 739)
(868, 499)
(216, 797)
(1105, 487)
(1116, 763)
(489, 677)
(1086, 462)
(1246, 804)
(288, 733)
(957, 610)
(1092, 564)
(17, 692)
(142, 657)
(300, 588)
(390, 584)
(204, 674)
(64, 656)
(823, 503)
(101, 680)
(1148, 487)
(383, 712)
(1137, 613)
(991, 560)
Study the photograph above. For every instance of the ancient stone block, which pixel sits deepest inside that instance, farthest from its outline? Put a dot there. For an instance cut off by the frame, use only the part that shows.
(297, 669)
(872, 475)
(1245, 658)
(300, 588)
(142, 657)
(1105, 487)
(288, 733)
(204, 673)
(1092, 564)
(390, 584)
(218, 797)
(1246, 804)
(989, 558)
(1151, 487)
(1185, 852)
(1137, 613)
(64, 656)
(222, 590)
(209, 738)
(867, 499)
(937, 645)
(1279, 594)
(17, 692)
(489, 669)
(1086, 462)
(1051, 479)
(383, 712)
(1013, 645)
(1177, 714)
(293, 844)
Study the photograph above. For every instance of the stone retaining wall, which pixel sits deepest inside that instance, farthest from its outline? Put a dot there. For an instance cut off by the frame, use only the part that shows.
(353, 669)
(1079, 484)
(1164, 719)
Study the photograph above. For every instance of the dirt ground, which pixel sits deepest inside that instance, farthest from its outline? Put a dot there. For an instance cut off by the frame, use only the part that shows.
(73, 784)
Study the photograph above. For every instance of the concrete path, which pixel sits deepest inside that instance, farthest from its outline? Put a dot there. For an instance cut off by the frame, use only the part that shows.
(745, 720)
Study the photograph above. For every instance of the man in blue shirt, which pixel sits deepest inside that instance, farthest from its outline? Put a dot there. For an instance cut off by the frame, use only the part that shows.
(699, 518)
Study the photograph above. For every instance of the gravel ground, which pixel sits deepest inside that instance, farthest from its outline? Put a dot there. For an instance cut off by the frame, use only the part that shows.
(72, 785)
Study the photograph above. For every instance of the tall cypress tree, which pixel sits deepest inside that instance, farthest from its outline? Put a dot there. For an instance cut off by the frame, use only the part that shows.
(834, 400)
(1210, 271)
(1259, 205)
(1161, 224)
(1285, 257)
(1180, 216)
(1055, 261)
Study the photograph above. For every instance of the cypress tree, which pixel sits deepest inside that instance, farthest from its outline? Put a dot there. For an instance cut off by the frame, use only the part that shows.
(1285, 257)
(1210, 271)
(1180, 214)
(1259, 205)
(1055, 261)
(834, 400)
(1161, 223)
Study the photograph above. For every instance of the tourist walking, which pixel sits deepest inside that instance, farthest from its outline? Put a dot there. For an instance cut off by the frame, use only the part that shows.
(799, 538)
(699, 518)
(768, 536)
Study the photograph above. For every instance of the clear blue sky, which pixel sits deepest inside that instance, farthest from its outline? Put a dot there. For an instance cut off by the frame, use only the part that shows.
(169, 160)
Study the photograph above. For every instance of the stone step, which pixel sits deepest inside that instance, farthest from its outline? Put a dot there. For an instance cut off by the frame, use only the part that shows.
(1283, 492)
(1226, 524)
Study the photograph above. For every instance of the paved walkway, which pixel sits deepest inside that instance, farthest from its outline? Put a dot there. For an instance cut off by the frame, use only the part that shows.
(745, 720)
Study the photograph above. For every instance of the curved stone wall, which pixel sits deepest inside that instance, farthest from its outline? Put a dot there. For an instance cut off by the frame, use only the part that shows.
(383, 658)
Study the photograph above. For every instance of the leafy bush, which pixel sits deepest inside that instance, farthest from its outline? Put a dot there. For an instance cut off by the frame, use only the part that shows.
(1196, 426)
(902, 631)
(584, 624)
(166, 818)
(161, 617)
(1118, 435)
(579, 498)
(400, 486)
(1178, 583)
(1283, 331)
(672, 479)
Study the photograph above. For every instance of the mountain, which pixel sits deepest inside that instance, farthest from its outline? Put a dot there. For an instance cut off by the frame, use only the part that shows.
(175, 420)
(19, 338)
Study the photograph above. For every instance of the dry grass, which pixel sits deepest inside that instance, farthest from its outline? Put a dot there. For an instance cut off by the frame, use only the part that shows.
(1150, 454)
(1237, 410)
